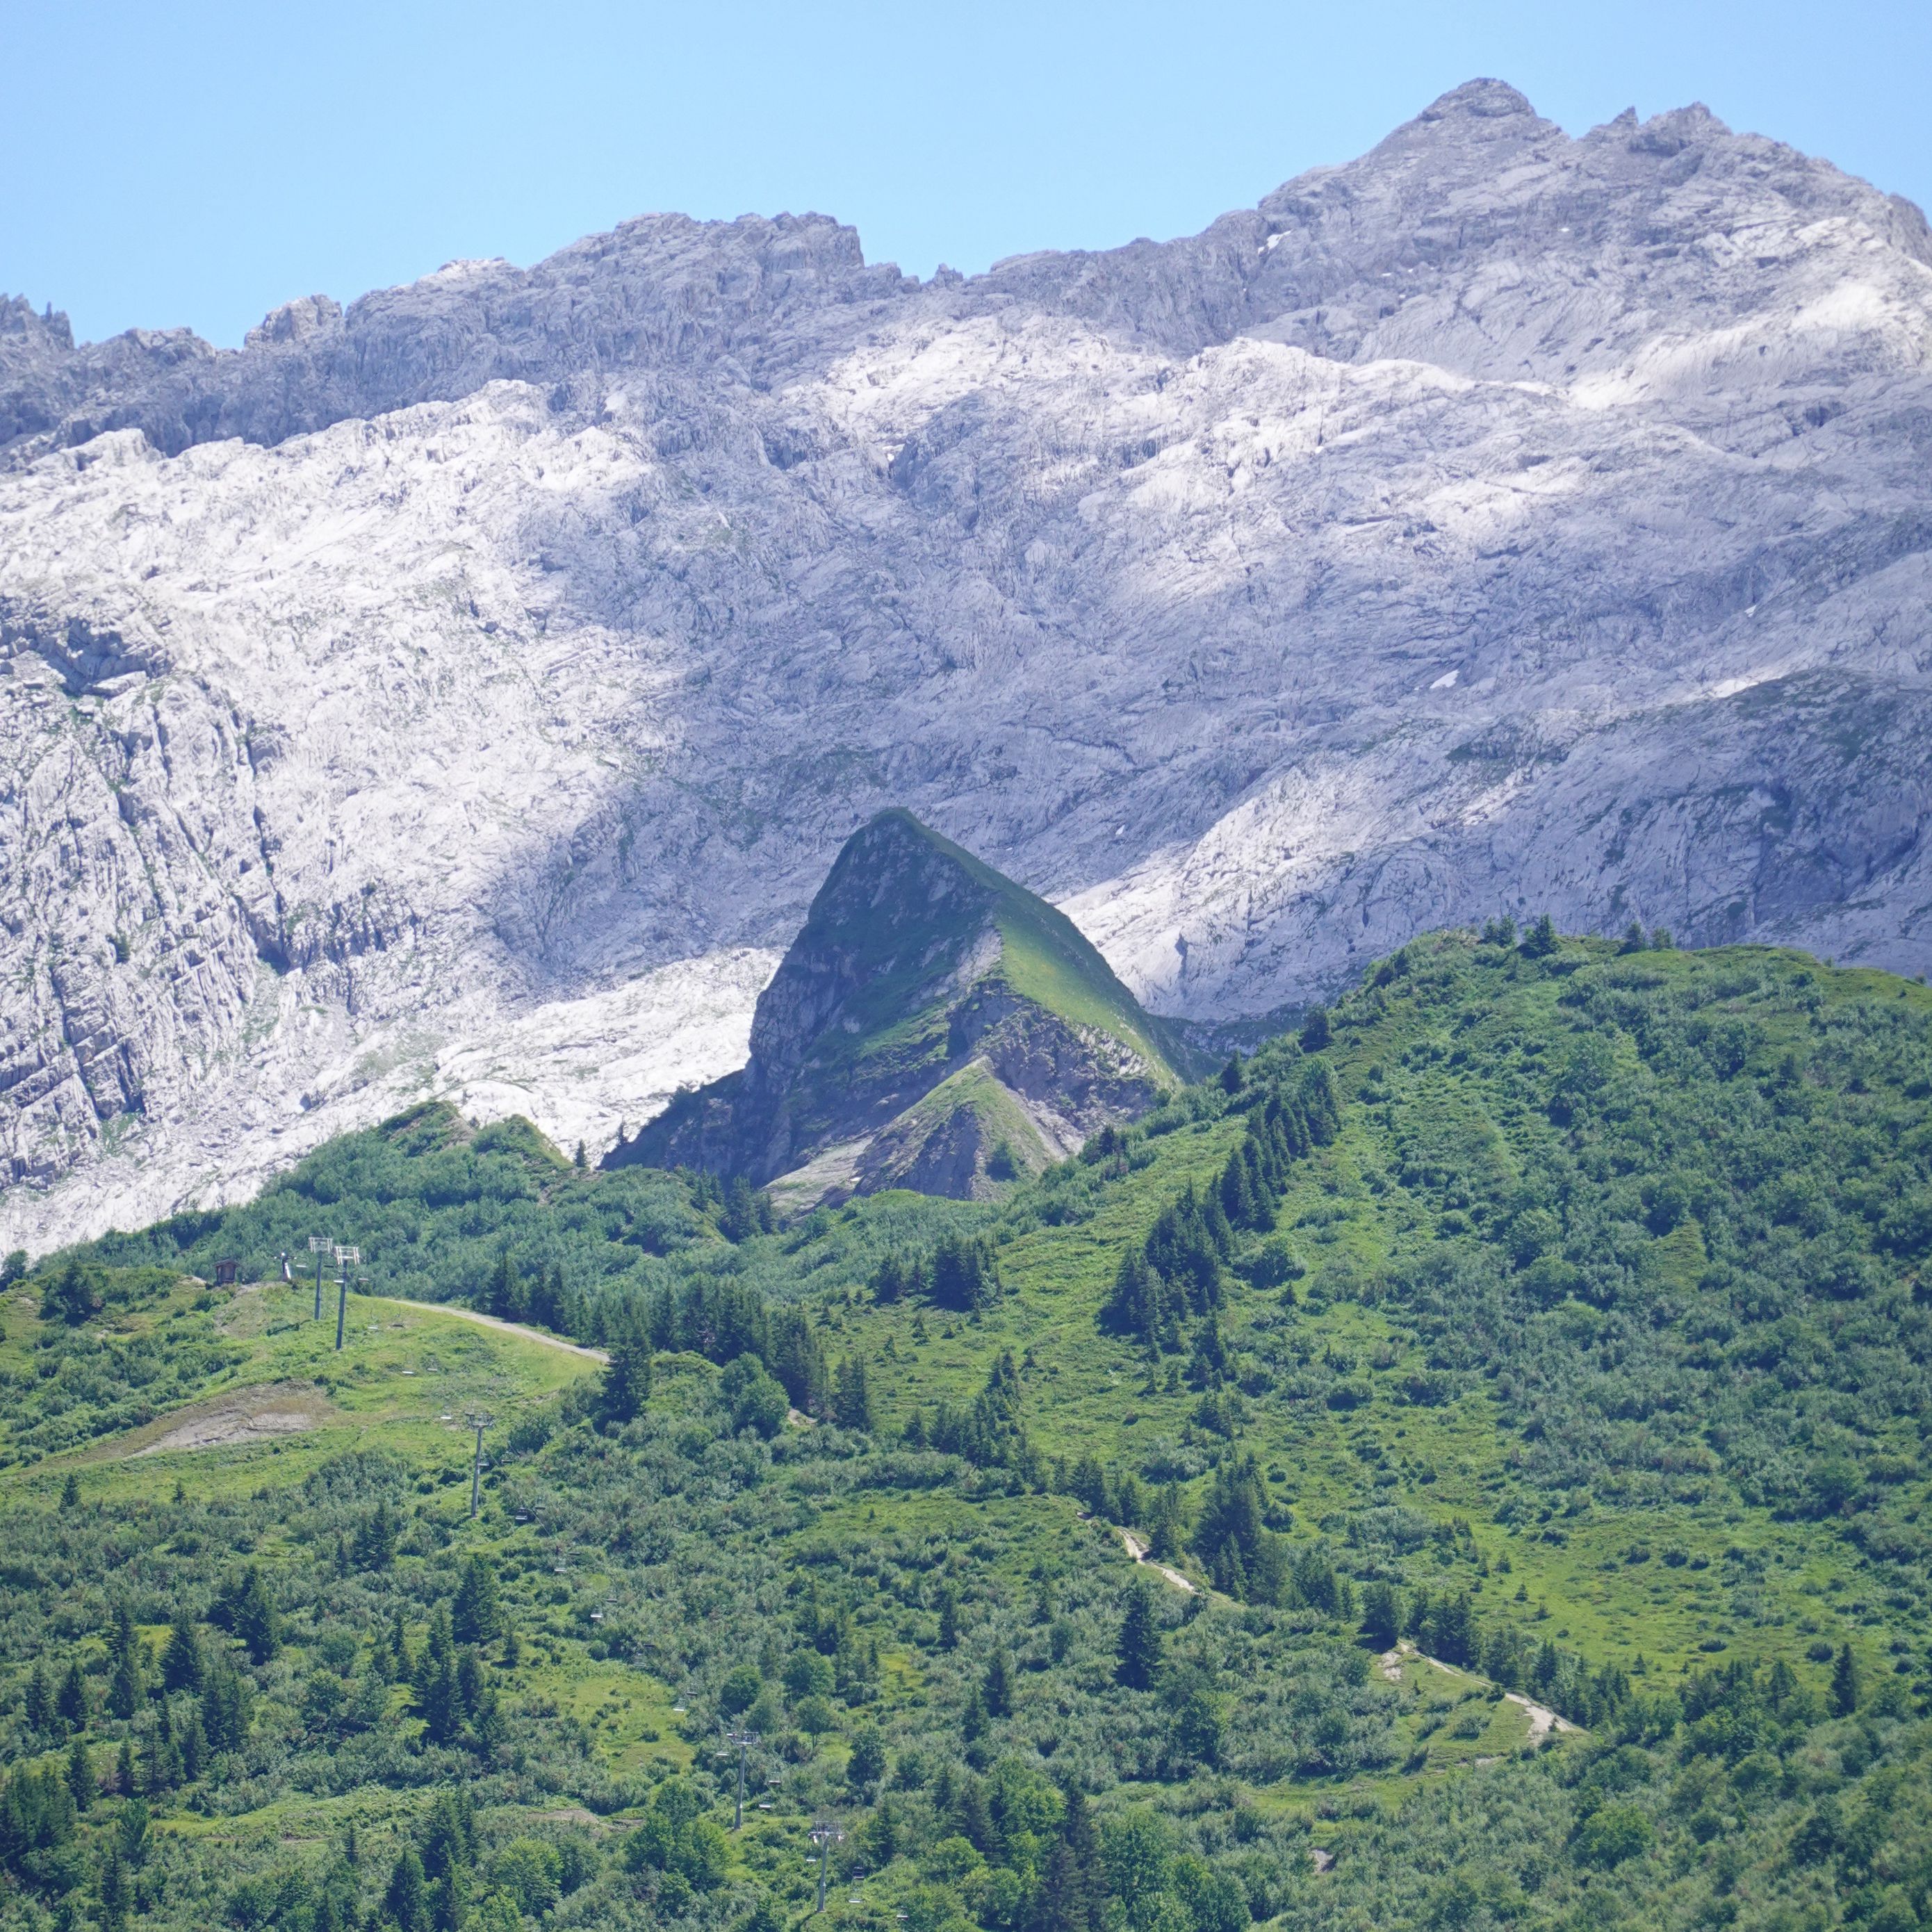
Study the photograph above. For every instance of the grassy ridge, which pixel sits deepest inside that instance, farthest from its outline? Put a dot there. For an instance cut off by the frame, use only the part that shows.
(1597, 1321)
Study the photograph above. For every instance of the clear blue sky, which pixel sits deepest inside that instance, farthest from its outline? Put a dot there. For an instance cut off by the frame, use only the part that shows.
(200, 161)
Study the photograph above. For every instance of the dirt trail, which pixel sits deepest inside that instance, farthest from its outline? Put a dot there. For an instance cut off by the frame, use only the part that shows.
(1542, 1719)
(495, 1321)
(1138, 1550)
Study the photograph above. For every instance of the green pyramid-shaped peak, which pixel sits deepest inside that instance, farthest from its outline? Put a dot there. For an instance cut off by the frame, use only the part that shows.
(916, 962)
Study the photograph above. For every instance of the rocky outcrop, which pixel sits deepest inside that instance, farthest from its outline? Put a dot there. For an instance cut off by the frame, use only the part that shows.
(1500, 521)
(932, 1021)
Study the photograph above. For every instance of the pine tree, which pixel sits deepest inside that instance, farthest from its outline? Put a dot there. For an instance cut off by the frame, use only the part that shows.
(1077, 1834)
(40, 1700)
(476, 1617)
(1844, 1684)
(627, 1379)
(546, 1299)
(852, 1396)
(1168, 1532)
(437, 1697)
(1452, 1630)
(882, 1834)
(224, 1709)
(116, 1894)
(181, 1664)
(1060, 1903)
(999, 1685)
(70, 1702)
(506, 1296)
(80, 1783)
(974, 1816)
(1539, 941)
(1382, 1619)
(402, 1659)
(163, 1769)
(469, 1680)
(375, 1537)
(895, 1278)
(449, 1838)
(123, 1681)
(1237, 1193)
(1134, 1307)
(405, 1904)
(973, 1718)
(1138, 1649)
(248, 1608)
(949, 1617)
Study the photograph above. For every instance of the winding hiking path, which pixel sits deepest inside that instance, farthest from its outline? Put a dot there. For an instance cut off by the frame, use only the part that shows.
(1138, 1550)
(495, 1321)
(1542, 1719)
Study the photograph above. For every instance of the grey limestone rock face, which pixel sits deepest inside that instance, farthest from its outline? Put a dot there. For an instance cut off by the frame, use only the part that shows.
(464, 691)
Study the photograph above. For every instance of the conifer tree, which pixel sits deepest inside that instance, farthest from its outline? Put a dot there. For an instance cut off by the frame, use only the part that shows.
(1381, 1621)
(123, 1680)
(998, 1687)
(181, 1663)
(627, 1379)
(1082, 1843)
(507, 1300)
(1844, 1683)
(80, 1783)
(40, 1700)
(71, 1701)
(851, 1396)
(116, 1894)
(476, 1616)
(405, 1904)
(1138, 1649)
(1539, 941)
(248, 1609)
(1168, 1532)
(436, 1693)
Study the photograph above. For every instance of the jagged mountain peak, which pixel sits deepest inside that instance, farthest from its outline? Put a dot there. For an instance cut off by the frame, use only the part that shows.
(1480, 100)
(465, 697)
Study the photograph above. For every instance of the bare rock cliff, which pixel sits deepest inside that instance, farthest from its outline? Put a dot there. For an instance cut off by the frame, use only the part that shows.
(463, 691)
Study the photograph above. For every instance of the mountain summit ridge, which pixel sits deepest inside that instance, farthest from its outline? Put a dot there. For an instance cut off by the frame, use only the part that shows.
(463, 695)
(747, 295)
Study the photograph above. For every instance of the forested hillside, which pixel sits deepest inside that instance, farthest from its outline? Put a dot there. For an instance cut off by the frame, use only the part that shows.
(1515, 1380)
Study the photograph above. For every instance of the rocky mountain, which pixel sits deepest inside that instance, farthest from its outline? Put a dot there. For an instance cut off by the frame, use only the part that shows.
(463, 693)
(934, 1026)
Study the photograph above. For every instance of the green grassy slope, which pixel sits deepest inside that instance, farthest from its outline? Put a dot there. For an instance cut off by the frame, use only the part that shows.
(1045, 959)
(1591, 1335)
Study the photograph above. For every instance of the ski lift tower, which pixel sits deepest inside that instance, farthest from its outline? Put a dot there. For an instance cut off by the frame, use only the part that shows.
(346, 1259)
(824, 1835)
(479, 1419)
(319, 1245)
(740, 1741)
